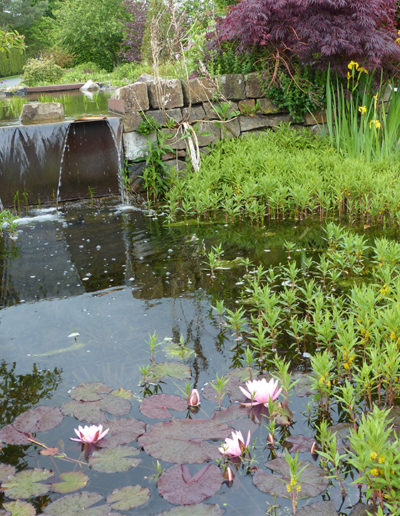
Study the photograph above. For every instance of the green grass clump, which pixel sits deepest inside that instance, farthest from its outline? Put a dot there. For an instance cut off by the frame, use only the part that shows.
(287, 173)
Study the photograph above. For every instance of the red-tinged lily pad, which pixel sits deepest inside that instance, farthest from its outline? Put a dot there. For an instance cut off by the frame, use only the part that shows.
(27, 483)
(80, 503)
(19, 508)
(159, 371)
(94, 411)
(300, 443)
(238, 377)
(157, 406)
(184, 441)
(319, 509)
(6, 470)
(122, 431)
(128, 497)
(90, 391)
(201, 509)
(70, 482)
(38, 419)
(313, 480)
(177, 485)
(271, 484)
(114, 460)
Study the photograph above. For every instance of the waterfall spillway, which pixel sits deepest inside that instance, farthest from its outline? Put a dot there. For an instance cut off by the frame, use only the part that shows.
(59, 162)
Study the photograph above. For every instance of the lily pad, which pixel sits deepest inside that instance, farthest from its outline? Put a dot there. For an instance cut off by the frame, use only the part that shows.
(123, 393)
(122, 431)
(175, 350)
(27, 483)
(300, 443)
(90, 391)
(201, 509)
(128, 497)
(94, 411)
(159, 371)
(177, 485)
(157, 406)
(6, 471)
(271, 484)
(114, 460)
(313, 480)
(70, 482)
(79, 503)
(184, 441)
(19, 508)
(38, 419)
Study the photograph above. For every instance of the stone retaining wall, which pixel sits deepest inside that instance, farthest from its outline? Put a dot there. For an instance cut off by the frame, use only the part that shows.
(227, 107)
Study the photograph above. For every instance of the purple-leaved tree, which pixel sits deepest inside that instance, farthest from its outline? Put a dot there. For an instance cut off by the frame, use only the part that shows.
(317, 32)
(134, 30)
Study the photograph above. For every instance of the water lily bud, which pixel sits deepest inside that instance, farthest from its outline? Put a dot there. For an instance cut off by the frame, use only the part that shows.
(229, 474)
(313, 448)
(194, 398)
(270, 439)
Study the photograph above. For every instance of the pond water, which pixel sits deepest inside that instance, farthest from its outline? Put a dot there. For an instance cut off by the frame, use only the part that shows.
(75, 104)
(115, 275)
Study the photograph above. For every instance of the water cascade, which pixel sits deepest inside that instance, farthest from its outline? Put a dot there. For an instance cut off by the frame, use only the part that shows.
(60, 161)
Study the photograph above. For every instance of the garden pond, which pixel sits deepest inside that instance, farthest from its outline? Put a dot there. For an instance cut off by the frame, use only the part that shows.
(103, 306)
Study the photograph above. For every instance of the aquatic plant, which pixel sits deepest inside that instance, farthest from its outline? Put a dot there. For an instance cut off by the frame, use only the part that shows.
(89, 434)
(261, 391)
(235, 446)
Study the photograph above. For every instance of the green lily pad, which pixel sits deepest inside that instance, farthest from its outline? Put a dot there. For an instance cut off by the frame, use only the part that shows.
(122, 431)
(90, 391)
(6, 471)
(19, 508)
(159, 371)
(176, 351)
(228, 264)
(114, 460)
(27, 483)
(184, 441)
(70, 482)
(79, 503)
(123, 393)
(128, 497)
(94, 411)
(201, 509)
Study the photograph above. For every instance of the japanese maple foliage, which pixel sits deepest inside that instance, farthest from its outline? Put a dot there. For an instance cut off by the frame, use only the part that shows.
(318, 32)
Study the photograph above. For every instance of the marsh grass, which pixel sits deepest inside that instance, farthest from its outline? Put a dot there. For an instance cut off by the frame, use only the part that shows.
(287, 174)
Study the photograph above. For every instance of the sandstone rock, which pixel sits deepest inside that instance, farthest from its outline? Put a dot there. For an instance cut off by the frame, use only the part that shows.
(162, 117)
(208, 133)
(145, 77)
(193, 114)
(249, 123)
(267, 107)
(246, 105)
(315, 118)
(135, 176)
(230, 129)
(253, 84)
(131, 122)
(199, 89)
(166, 94)
(90, 86)
(39, 112)
(131, 99)
(212, 109)
(232, 86)
(176, 164)
(174, 139)
(137, 145)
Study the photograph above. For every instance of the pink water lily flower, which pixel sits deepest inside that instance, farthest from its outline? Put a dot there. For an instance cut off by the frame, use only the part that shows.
(261, 391)
(89, 434)
(194, 398)
(236, 446)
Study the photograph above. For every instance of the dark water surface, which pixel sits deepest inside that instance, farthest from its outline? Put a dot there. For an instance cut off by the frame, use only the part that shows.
(116, 276)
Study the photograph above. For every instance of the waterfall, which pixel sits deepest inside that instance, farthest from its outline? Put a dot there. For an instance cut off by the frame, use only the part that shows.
(115, 127)
(61, 164)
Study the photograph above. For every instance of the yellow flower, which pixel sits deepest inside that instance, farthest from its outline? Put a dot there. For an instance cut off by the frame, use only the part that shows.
(293, 482)
(373, 456)
(397, 41)
(348, 75)
(363, 70)
(298, 488)
(352, 65)
(289, 489)
(362, 110)
(375, 472)
(381, 459)
(375, 97)
(376, 123)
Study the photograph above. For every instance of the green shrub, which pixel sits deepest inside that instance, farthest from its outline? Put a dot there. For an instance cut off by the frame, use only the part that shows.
(41, 71)
(11, 61)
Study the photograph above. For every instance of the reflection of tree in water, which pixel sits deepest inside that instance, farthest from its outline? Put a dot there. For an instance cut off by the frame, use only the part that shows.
(18, 393)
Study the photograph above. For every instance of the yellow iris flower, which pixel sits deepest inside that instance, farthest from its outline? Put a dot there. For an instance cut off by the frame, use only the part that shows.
(362, 110)
(376, 123)
(352, 65)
